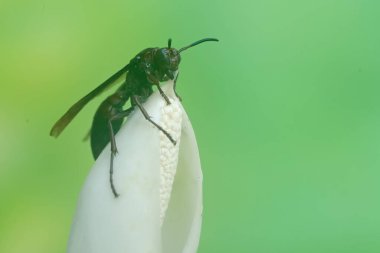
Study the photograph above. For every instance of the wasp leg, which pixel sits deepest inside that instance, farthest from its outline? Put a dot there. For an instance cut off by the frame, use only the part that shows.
(147, 117)
(115, 194)
(113, 153)
(174, 88)
(153, 80)
(120, 115)
(163, 94)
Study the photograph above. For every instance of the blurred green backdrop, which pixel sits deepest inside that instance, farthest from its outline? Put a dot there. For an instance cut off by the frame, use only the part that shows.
(286, 110)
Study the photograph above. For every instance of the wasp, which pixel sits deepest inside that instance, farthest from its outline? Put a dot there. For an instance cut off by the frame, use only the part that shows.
(146, 70)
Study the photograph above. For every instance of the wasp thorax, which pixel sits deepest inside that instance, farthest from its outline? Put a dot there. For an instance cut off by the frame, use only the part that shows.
(167, 61)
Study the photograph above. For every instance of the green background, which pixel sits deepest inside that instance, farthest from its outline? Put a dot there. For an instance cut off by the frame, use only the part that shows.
(285, 107)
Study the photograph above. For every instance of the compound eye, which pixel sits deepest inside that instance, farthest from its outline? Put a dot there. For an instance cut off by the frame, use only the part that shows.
(163, 57)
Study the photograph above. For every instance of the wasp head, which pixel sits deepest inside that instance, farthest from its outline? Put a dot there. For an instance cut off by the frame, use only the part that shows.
(167, 60)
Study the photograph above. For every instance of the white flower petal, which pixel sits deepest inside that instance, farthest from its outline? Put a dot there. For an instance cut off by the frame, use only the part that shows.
(132, 222)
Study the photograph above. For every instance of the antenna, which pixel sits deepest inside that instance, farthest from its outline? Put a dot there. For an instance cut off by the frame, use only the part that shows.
(196, 43)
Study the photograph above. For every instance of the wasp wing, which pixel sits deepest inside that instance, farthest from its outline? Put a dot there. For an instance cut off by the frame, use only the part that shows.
(61, 124)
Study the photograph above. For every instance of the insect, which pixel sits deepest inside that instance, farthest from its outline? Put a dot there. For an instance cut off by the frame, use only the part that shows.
(147, 69)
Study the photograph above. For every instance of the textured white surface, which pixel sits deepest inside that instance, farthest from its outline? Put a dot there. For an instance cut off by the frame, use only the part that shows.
(171, 121)
(134, 222)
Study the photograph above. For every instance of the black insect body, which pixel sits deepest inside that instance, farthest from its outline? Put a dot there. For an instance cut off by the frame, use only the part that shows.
(147, 69)
(101, 124)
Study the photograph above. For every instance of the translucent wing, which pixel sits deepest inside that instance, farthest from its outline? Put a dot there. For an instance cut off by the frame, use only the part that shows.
(61, 124)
